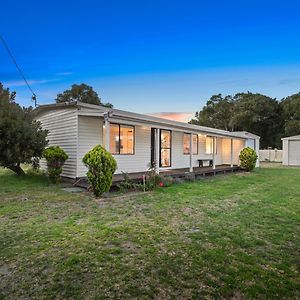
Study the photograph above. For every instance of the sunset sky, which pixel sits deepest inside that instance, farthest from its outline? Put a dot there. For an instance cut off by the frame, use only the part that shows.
(152, 56)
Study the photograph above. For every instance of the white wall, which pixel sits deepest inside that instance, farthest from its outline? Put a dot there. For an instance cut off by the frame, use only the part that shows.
(294, 152)
(90, 133)
(285, 152)
(180, 160)
(140, 160)
(62, 126)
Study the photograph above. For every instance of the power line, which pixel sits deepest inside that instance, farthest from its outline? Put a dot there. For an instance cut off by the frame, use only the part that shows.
(19, 69)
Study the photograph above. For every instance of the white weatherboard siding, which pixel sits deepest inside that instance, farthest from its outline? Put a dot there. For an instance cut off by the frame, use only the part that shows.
(238, 146)
(62, 127)
(250, 143)
(285, 152)
(180, 160)
(226, 148)
(78, 128)
(90, 133)
(140, 160)
(294, 153)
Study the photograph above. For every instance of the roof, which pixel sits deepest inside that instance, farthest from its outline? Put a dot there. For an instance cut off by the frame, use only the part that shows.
(246, 134)
(295, 137)
(99, 110)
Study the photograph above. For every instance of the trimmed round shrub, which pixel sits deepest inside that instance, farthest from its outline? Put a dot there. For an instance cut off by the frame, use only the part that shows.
(248, 158)
(55, 157)
(101, 167)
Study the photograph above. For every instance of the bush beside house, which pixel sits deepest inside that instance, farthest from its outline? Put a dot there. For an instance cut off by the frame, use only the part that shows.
(101, 167)
(55, 157)
(248, 158)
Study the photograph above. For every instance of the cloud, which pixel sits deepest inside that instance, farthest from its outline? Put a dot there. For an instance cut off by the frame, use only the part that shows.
(288, 81)
(15, 83)
(175, 116)
(64, 73)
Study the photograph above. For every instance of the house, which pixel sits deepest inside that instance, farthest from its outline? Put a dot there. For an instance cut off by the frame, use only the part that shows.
(291, 151)
(136, 140)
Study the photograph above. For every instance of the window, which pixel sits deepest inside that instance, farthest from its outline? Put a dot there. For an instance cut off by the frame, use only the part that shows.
(121, 139)
(165, 148)
(195, 143)
(186, 143)
(209, 145)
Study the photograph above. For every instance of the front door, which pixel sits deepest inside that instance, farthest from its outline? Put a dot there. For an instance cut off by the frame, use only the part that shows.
(164, 148)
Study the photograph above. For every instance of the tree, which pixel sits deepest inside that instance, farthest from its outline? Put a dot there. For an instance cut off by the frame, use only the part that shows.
(291, 114)
(81, 92)
(216, 113)
(21, 137)
(259, 114)
(256, 113)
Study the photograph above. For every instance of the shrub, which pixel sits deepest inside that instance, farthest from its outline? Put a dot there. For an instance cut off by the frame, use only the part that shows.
(152, 179)
(248, 159)
(166, 181)
(128, 184)
(101, 167)
(55, 157)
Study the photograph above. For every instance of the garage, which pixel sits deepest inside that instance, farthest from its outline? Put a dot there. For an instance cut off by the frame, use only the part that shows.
(291, 151)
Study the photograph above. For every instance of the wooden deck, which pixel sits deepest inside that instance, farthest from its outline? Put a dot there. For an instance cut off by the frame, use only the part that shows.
(176, 173)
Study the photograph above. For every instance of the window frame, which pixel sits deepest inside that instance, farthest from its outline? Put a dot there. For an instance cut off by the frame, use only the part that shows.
(191, 134)
(160, 148)
(213, 149)
(185, 134)
(196, 144)
(133, 142)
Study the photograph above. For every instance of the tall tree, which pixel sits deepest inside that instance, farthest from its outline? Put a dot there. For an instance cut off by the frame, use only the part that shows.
(21, 137)
(260, 115)
(255, 113)
(216, 113)
(291, 114)
(80, 92)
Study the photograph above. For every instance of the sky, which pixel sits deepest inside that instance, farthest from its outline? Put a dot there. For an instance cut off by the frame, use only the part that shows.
(152, 56)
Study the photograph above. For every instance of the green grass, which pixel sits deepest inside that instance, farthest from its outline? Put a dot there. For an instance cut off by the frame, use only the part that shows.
(229, 237)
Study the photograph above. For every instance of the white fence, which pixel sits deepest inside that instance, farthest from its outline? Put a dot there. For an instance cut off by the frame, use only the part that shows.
(273, 155)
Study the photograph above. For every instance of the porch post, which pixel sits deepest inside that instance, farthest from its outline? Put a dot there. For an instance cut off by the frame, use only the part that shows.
(107, 131)
(157, 148)
(214, 155)
(231, 152)
(191, 152)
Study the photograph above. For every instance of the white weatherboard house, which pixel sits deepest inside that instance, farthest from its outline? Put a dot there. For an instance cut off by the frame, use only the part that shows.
(135, 139)
(291, 151)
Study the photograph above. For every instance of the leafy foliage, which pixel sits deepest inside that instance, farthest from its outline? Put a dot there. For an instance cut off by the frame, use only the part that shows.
(291, 114)
(256, 113)
(128, 184)
(152, 179)
(217, 113)
(55, 157)
(21, 137)
(166, 181)
(80, 92)
(260, 115)
(248, 158)
(101, 167)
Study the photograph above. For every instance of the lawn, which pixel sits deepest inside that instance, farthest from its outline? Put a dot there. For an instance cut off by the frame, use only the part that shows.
(228, 237)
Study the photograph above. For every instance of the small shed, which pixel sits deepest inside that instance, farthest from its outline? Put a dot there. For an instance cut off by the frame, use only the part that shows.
(291, 151)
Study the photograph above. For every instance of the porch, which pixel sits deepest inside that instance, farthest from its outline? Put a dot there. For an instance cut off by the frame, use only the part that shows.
(175, 173)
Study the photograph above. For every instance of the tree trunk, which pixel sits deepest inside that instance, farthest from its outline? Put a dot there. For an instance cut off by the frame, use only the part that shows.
(17, 169)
